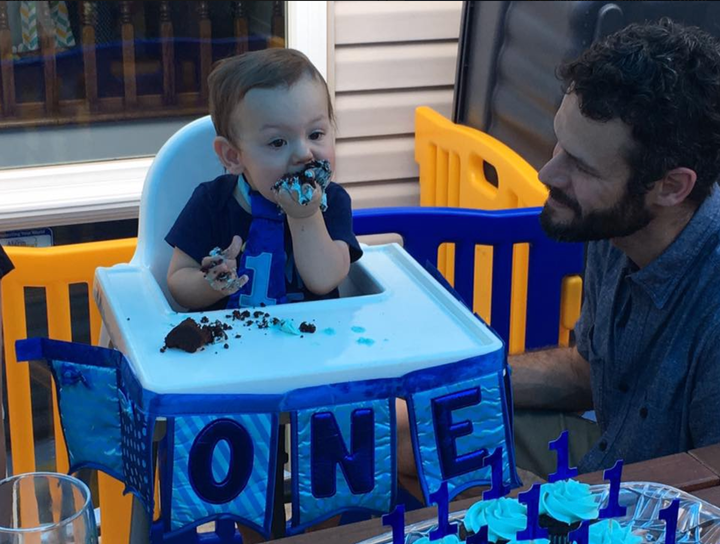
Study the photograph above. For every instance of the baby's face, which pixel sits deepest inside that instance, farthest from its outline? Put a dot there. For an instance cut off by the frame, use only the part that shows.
(279, 130)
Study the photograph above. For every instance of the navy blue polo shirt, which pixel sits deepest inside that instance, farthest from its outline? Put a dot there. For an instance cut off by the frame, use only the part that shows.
(213, 216)
(651, 337)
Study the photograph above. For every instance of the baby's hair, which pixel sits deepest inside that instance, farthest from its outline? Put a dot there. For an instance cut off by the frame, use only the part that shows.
(233, 77)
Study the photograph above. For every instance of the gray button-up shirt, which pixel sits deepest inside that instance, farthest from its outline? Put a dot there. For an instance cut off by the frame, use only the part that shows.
(652, 337)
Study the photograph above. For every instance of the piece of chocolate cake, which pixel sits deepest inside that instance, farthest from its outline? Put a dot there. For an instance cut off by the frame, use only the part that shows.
(302, 183)
(188, 336)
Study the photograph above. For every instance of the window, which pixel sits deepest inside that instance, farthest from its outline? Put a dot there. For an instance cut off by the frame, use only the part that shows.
(85, 80)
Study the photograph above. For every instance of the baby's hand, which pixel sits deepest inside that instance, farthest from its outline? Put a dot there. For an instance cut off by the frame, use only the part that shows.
(220, 268)
(288, 201)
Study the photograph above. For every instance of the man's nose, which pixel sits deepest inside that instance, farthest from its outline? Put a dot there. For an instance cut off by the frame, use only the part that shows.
(553, 174)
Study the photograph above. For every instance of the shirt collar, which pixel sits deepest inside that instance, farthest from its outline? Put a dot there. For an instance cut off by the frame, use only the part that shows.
(660, 278)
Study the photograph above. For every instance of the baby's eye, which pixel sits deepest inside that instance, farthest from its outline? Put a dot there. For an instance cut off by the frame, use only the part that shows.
(318, 134)
(277, 143)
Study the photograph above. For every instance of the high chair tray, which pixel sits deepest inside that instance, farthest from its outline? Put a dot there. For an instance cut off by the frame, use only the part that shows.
(393, 318)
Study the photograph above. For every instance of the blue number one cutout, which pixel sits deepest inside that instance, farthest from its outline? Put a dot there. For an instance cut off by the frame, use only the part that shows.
(497, 489)
(533, 530)
(563, 472)
(613, 508)
(396, 520)
(670, 515)
(481, 537)
(444, 528)
(581, 535)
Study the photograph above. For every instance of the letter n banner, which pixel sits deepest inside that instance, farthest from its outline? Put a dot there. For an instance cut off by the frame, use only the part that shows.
(343, 460)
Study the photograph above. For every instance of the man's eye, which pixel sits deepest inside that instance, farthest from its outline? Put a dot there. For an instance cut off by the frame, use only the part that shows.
(317, 135)
(277, 143)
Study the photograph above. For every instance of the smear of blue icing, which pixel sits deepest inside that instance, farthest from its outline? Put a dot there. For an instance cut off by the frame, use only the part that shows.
(365, 341)
(357, 329)
(329, 331)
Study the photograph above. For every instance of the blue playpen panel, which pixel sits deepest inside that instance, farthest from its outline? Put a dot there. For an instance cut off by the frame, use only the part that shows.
(424, 229)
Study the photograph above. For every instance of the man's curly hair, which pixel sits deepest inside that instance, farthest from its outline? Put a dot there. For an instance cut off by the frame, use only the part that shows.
(662, 80)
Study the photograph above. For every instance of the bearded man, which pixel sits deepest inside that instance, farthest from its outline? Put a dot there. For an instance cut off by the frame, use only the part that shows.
(634, 174)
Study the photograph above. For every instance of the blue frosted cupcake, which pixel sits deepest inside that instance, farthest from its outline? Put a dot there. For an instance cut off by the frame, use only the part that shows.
(609, 531)
(504, 518)
(563, 506)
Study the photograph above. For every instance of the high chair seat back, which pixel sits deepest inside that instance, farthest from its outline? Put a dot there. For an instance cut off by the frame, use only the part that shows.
(186, 160)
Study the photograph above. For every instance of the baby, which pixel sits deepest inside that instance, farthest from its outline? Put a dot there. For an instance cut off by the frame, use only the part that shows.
(286, 229)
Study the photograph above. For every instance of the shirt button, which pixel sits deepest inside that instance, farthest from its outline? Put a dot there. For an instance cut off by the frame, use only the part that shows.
(623, 387)
(602, 446)
(643, 412)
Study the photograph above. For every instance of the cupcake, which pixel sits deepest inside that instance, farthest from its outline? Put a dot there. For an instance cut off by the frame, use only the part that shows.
(302, 184)
(563, 506)
(504, 518)
(609, 531)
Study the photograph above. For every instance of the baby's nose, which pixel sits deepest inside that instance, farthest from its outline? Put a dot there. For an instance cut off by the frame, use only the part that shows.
(303, 153)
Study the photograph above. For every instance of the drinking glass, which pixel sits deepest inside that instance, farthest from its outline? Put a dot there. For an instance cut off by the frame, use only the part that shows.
(46, 508)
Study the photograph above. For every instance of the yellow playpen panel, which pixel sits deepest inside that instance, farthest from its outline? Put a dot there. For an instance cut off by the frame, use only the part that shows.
(55, 269)
(454, 163)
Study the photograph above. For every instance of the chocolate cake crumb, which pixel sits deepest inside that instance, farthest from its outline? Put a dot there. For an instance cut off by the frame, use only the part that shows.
(236, 315)
(258, 314)
(204, 319)
(245, 314)
(226, 346)
(307, 327)
(238, 336)
(188, 336)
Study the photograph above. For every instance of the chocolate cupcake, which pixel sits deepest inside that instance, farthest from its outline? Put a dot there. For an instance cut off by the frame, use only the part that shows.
(563, 506)
(303, 183)
(504, 518)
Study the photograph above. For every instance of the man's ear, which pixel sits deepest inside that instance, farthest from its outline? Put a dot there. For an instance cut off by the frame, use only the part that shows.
(674, 188)
(228, 154)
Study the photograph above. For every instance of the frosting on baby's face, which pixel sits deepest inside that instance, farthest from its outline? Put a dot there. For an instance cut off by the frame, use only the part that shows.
(301, 185)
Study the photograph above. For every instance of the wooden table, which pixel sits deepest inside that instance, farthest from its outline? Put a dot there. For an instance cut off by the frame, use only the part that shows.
(697, 472)
(710, 458)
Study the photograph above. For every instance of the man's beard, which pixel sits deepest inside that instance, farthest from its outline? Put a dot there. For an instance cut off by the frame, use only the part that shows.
(626, 217)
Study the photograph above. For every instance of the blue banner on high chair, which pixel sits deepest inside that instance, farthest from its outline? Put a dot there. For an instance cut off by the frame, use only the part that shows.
(222, 466)
(343, 459)
(137, 454)
(455, 428)
(88, 402)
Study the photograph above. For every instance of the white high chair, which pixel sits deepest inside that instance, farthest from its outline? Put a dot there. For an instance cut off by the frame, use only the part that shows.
(184, 161)
(393, 317)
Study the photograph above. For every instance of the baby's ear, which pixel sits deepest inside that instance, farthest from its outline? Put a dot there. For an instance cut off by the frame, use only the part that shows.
(229, 155)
